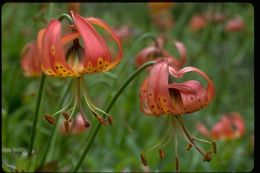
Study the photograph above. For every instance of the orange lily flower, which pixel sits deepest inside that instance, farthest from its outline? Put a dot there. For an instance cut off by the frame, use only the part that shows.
(197, 23)
(231, 126)
(29, 60)
(234, 25)
(156, 50)
(124, 32)
(161, 15)
(93, 55)
(156, 7)
(159, 96)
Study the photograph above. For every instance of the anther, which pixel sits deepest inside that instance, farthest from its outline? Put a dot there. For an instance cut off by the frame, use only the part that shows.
(207, 157)
(143, 159)
(66, 125)
(65, 115)
(161, 153)
(100, 119)
(110, 120)
(87, 124)
(49, 119)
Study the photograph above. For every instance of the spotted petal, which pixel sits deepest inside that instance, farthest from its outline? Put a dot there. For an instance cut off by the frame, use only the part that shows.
(97, 55)
(53, 58)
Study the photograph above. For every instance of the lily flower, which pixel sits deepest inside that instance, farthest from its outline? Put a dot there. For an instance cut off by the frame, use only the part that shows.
(124, 32)
(81, 51)
(197, 23)
(29, 60)
(231, 126)
(156, 7)
(161, 95)
(161, 15)
(157, 50)
(234, 25)
(91, 56)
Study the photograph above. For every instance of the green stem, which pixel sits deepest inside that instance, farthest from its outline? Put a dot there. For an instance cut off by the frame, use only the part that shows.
(66, 16)
(50, 141)
(107, 110)
(37, 108)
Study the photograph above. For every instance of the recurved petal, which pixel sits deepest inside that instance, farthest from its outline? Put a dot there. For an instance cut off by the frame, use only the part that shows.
(153, 87)
(30, 62)
(145, 55)
(210, 87)
(163, 95)
(53, 57)
(102, 24)
(97, 55)
(188, 96)
(143, 98)
(177, 62)
(239, 124)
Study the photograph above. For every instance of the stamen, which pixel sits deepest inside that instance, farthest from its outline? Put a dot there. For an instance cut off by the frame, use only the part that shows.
(100, 119)
(163, 139)
(66, 125)
(143, 159)
(49, 119)
(188, 137)
(65, 115)
(161, 153)
(93, 108)
(207, 157)
(110, 120)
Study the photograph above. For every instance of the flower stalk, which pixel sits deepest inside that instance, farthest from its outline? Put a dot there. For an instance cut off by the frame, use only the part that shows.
(37, 108)
(107, 110)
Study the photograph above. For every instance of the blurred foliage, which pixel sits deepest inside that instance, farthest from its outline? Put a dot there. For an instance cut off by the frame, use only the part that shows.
(228, 58)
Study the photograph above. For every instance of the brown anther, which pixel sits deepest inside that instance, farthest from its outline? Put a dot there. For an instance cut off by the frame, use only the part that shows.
(177, 164)
(161, 153)
(65, 115)
(143, 159)
(214, 145)
(67, 126)
(110, 120)
(87, 124)
(207, 157)
(49, 119)
(101, 119)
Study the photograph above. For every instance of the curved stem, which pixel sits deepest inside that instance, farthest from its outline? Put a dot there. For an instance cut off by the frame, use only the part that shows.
(37, 108)
(107, 110)
(66, 16)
